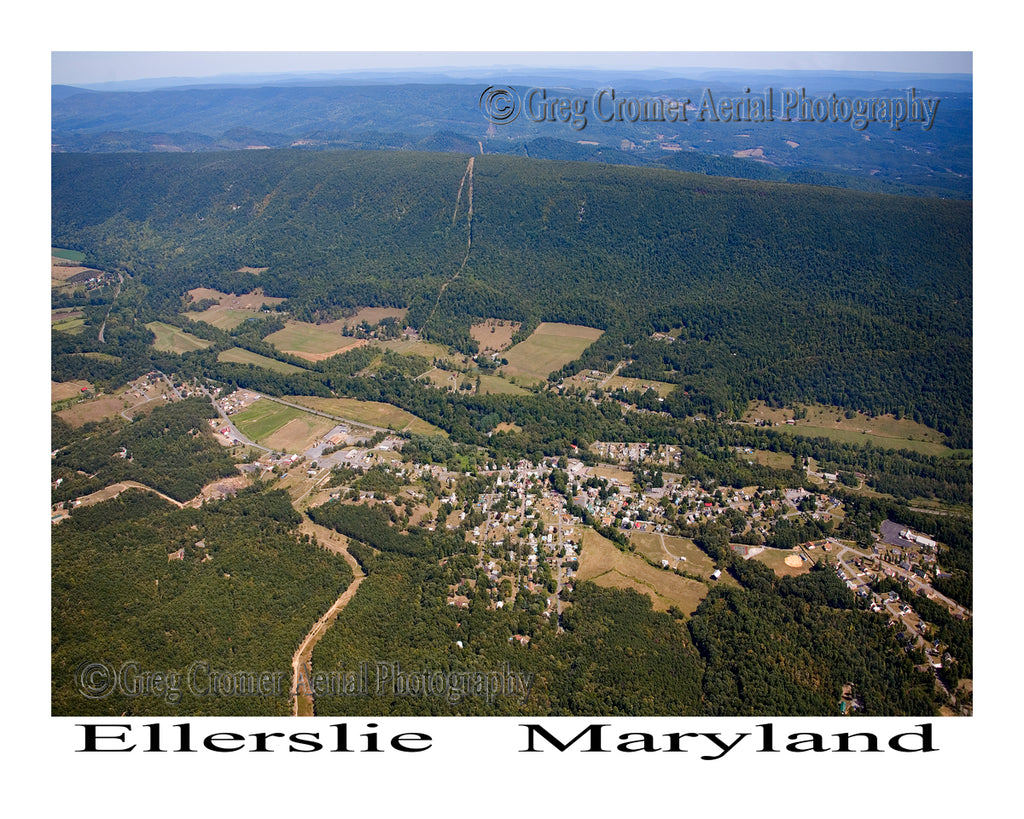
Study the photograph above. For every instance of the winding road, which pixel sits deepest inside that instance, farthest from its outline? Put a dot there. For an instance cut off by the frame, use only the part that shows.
(302, 695)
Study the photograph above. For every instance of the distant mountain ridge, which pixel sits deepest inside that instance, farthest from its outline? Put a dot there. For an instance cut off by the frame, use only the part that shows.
(392, 112)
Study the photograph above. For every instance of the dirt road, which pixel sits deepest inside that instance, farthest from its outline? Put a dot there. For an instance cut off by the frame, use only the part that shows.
(302, 696)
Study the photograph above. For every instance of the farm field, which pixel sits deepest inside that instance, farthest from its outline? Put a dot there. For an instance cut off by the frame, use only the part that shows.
(649, 544)
(172, 339)
(830, 422)
(70, 255)
(72, 323)
(237, 355)
(61, 270)
(231, 310)
(418, 347)
(602, 563)
(549, 347)
(494, 335)
(492, 384)
(279, 427)
(314, 342)
(373, 413)
(373, 316)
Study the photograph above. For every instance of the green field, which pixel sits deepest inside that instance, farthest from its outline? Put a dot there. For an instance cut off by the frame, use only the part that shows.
(776, 460)
(492, 384)
(70, 255)
(417, 347)
(71, 325)
(171, 339)
(373, 413)
(303, 338)
(549, 347)
(237, 355)
(265, 417)
(831, 422)
(849, 436)
(223, 318)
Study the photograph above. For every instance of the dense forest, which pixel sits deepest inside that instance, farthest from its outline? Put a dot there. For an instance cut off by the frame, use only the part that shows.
(240, 598)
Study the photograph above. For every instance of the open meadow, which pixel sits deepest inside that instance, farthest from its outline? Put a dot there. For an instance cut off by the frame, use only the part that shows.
(605, 565)
(230, 310)
(494, 335)
(681, 552)
(279, 427)
(373, 413)
(830, 422)
(314, 342)
(171, 339)
(550, 347)
(237, 355)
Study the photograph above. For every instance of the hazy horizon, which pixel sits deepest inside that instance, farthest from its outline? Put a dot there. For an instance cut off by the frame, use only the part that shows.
(99, 68)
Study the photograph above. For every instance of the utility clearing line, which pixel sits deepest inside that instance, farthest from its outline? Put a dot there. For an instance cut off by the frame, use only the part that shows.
(469, 232)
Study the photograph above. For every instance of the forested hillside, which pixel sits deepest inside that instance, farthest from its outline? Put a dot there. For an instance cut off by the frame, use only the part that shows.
(862, 300)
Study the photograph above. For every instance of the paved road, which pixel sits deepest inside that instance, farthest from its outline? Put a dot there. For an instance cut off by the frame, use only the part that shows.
(910, 577)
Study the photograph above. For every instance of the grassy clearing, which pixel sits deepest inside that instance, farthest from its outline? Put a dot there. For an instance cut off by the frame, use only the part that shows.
(70, 255)
(312, 341)
(613, 473)
(492, 384)
(171, 339)
(264, 417)
(649, 545)
(831, 422)
(223, 318)
(69, 325)
(604, 564)
(494, 335)
(446, 379)
(417, 347)
(776, 460)
(549, 347)
(63, 390)
(96, 409)
(298, 434)
(237, 355)
(231, 310)
(373, 413)
(375, 315)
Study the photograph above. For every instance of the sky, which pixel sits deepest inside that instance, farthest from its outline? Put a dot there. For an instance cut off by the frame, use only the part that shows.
(85, 67)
